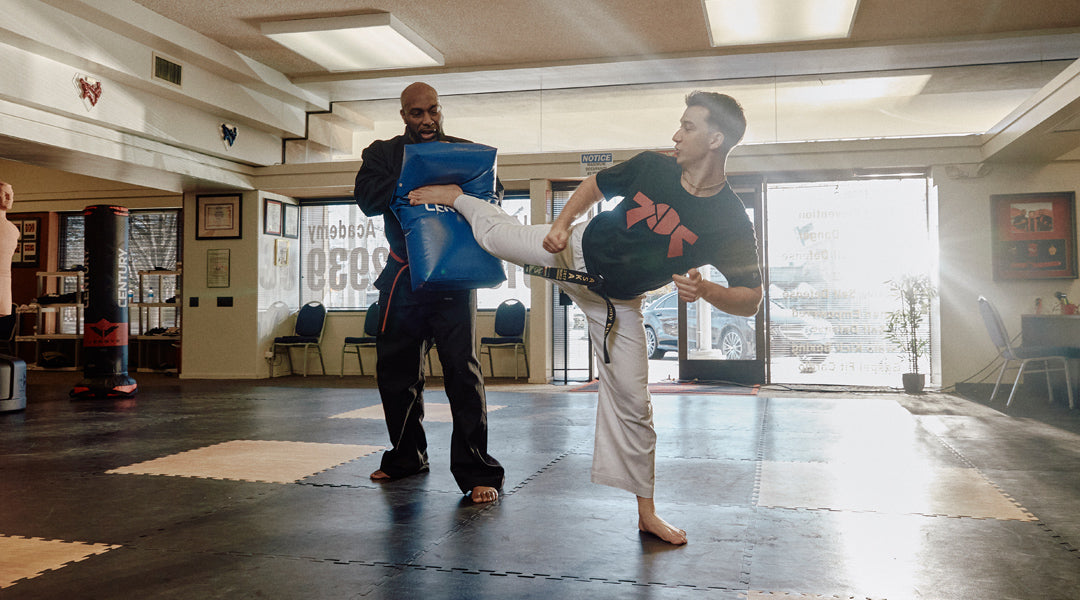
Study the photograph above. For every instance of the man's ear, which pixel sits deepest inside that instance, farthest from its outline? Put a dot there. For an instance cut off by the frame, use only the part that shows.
(716, 140)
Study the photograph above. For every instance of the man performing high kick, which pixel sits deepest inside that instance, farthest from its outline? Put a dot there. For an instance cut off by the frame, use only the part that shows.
(677, 214)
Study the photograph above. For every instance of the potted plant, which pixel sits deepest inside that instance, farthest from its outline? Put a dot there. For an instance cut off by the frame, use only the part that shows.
(904, 326)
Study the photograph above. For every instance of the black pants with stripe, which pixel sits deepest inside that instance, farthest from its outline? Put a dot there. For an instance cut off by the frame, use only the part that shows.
(410, 324)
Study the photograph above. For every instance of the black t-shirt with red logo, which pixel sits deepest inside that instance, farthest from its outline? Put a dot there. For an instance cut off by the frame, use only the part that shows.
(660, 229)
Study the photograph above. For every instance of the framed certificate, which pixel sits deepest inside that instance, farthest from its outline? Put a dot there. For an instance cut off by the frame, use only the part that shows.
(217, 268)
(272, 217)
(292, 221)
(217, 217)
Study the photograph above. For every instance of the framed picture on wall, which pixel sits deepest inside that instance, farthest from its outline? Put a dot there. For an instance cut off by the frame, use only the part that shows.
(26, 250)
(217, 217)
(292, 221)
(272, 217)
(217, 268)
(1033, 235)
(281, 253)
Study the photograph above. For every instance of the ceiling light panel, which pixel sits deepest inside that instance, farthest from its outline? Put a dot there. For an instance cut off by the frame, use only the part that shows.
(355, 43)
(745, 22)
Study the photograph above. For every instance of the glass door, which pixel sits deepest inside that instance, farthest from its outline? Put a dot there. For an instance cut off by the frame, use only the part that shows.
(832, 247)
(714, 345)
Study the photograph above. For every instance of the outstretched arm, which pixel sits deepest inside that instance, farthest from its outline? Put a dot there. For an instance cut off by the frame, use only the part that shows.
(741, 301)
(584, 197)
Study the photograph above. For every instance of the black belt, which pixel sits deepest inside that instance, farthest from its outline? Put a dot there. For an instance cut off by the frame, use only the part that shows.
(593, 282)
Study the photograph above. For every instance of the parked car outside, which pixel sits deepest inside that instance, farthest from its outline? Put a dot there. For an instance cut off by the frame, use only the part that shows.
(808, 338)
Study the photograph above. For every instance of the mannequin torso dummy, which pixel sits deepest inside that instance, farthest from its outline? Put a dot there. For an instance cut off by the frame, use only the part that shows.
(9, 240)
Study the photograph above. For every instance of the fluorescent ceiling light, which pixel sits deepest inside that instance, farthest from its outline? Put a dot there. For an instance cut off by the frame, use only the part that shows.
(740, 22)
(803, 92)
(355, 43)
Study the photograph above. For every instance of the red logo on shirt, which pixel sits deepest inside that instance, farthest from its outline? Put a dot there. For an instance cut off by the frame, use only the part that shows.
(663, 220)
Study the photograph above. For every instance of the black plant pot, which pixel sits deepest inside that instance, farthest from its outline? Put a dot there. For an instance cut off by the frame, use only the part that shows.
(914, 382)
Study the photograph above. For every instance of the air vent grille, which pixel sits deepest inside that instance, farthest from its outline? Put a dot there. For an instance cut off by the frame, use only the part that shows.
(167, 70)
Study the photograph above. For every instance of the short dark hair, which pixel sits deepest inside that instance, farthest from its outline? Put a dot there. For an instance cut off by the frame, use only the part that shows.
(725, 114)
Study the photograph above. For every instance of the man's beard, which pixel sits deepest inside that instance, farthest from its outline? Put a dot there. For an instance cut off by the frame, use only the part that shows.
(418, 134)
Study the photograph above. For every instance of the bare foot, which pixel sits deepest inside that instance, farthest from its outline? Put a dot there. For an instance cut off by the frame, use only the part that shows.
(435, 194)
(482, 493)
(379, 476)
(650, 522)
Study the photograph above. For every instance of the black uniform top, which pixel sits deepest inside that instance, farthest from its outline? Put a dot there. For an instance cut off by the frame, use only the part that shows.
(660, 229)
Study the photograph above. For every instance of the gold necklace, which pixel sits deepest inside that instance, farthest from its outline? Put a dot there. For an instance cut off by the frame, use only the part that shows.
(697, 188)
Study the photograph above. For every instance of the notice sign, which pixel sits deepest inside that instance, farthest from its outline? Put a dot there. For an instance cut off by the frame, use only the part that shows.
(594, 162)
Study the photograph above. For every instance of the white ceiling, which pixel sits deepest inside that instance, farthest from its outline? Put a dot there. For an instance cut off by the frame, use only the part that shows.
(577, 75)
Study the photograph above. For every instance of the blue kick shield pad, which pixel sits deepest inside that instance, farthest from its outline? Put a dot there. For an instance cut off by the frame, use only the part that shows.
(443, 254)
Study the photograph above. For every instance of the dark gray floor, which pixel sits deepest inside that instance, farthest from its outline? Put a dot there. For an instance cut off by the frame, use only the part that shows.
(783, 494)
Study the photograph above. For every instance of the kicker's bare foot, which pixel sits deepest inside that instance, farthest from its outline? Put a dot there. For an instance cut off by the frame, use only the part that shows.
(650, 522)
(435, 194)
(379, 476)
(482, 493)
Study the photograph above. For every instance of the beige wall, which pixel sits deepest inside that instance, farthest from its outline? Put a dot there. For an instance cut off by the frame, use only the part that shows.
(964, 214)
(231, 342)
(222, 342)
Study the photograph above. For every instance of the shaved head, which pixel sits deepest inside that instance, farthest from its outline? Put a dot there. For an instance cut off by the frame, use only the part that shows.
(417, 91)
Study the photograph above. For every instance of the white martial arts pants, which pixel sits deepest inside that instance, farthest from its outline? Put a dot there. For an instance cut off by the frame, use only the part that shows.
(624, 451)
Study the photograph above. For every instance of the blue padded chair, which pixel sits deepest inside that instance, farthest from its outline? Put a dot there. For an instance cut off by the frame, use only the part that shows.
(354, 344)
(509, 333)
(307, 335)
(1044, 355)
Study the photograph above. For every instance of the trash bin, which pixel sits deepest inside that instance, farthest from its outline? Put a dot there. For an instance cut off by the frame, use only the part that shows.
(12, 383)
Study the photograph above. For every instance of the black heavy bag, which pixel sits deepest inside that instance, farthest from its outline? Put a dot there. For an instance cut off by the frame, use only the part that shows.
(105, 330)
(443, 254)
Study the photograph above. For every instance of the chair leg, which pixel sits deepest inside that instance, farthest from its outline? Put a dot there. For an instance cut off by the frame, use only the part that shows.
(1049, 387)
(1001, 373)
(341, 372)
(288, 356)
(360, 360)
(322, 365)
(1016, 382)
(1068, 382)
(525, 355)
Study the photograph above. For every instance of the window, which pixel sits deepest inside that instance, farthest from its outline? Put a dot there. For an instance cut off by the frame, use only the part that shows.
(343, 251)
(153, 243)
(153, 240)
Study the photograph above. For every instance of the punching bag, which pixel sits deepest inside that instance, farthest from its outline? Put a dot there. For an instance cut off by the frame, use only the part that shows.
(105, 320)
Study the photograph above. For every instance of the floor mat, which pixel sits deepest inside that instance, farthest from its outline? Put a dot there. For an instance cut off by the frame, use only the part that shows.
(252, 460)
(433, 412)
(688, 387)
(29, 557)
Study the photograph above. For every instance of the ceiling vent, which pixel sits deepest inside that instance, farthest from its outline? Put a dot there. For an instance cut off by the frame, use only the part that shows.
(167, 71)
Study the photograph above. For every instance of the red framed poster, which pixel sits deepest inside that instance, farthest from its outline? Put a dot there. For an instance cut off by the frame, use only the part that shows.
(1034, 235)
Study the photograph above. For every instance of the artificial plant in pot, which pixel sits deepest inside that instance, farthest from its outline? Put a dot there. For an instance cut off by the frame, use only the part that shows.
(904, 326)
